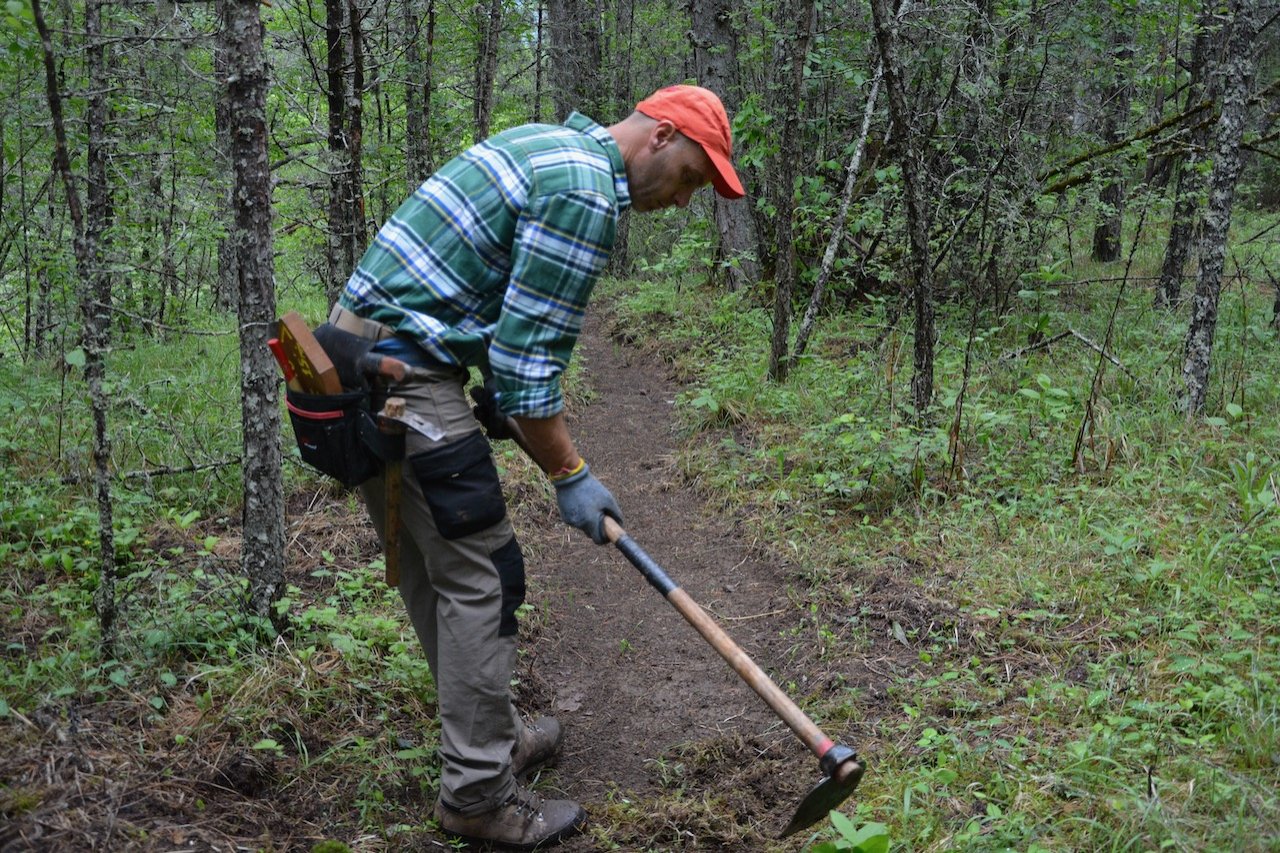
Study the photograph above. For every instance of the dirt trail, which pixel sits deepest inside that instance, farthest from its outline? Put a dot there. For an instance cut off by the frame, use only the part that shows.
(633, 683)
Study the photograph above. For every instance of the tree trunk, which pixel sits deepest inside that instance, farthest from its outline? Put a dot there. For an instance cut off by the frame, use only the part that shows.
(488, 33)
(837, 226)
(623, 103)
(95, 284)
(1237, 76)
(417, 92)
(917, 215)
(574, 28)
(1189, 180)
(227, 292)
(1109, 230)
(262, 552)
(339, 226)
(538, 63)
(795, 28)
(356, 240)
(715, 62)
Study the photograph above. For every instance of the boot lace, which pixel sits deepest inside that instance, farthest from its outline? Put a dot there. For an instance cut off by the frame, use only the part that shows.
(526, 802)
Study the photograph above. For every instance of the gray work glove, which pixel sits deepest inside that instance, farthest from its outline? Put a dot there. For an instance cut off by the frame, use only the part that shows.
(584, 502)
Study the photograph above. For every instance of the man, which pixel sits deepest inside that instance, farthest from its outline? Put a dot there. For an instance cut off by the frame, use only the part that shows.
(490, 264)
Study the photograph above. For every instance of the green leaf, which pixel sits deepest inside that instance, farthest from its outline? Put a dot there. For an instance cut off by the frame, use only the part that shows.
(76, 357)
(267, 744)
(872, 838)
(843, 824)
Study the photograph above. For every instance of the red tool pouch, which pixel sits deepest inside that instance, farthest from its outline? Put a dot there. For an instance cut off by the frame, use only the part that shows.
(337, 434)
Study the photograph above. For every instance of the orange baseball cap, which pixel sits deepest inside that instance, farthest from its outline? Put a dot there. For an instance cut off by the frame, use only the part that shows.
(698, 114)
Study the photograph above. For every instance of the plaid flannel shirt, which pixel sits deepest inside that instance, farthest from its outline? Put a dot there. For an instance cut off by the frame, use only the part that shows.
(492, 261)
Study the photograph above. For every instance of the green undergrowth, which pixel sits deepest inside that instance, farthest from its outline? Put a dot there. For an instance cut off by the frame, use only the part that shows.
(196, 698)
(1042, 648)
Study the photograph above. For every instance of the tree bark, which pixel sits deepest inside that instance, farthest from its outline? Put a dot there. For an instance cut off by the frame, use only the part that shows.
(574, 29)
(539, 58)
(1109, 229)
(95, 284)
(262, 552)
(339, 226)
(417, 92)
(917, 214)
(488, 32)
(1189, 183)
(1237, 76)
(795, 28)
(357, 238)
(623, 101)
(227, 292)
(715, 54)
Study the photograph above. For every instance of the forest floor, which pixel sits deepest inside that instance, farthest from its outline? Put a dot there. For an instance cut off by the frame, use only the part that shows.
(665, 746)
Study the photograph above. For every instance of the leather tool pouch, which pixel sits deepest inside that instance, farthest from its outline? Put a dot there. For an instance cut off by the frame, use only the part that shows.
(337, 434)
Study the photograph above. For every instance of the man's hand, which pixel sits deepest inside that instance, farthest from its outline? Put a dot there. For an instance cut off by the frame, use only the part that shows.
(486, 410)
(584, 502)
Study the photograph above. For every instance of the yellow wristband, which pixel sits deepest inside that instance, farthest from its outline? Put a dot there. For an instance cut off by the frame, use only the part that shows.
(566, 472)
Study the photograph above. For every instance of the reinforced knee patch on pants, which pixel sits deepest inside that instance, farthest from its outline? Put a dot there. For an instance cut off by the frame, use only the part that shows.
(461, 486)
(510, 565)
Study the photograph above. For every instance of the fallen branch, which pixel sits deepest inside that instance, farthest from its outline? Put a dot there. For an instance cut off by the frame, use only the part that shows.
(75, 479)
(1069, 333)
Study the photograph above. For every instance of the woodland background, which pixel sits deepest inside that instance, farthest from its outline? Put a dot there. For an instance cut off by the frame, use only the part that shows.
(969, 183)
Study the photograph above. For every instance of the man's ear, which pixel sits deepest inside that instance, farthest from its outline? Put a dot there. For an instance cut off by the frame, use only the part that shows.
(663, 134)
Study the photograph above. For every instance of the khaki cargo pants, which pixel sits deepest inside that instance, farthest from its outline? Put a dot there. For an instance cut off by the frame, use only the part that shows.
(461, 578)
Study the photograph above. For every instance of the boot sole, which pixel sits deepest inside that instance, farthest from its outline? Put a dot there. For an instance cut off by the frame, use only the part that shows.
(490, 844)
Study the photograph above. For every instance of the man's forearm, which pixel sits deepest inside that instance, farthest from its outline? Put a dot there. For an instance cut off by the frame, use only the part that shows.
(549, 443)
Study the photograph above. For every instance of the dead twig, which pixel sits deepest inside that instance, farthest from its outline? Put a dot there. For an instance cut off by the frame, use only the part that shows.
(1069, 333)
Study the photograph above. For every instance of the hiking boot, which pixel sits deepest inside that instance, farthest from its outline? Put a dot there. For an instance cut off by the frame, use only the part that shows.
(537, 744)
(524, 822)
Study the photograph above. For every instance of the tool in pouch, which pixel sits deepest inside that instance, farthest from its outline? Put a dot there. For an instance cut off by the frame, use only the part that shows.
(331, 407)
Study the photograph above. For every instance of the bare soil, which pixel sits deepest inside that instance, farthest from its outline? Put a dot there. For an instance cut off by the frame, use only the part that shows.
(665, 746)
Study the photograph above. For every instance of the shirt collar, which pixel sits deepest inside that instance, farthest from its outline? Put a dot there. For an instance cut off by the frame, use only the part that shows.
(577, 121)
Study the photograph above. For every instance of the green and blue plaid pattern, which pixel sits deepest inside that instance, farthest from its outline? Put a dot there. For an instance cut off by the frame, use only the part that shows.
(492, 261)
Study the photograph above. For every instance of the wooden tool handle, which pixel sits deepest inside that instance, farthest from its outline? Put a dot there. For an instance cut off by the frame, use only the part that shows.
(756, 679)
(389, 423)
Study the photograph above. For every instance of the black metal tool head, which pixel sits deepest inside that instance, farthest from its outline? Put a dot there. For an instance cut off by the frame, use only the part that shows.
(844, 772)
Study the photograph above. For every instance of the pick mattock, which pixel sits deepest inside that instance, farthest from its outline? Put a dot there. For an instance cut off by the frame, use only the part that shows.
(839, 764)
(842, 771)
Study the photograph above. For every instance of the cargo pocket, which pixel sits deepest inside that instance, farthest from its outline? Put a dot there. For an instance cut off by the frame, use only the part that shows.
(461, 486)
(510, 565)
(333, 432)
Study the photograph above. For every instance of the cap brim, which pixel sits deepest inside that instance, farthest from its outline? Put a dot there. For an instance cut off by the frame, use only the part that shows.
(725, 180)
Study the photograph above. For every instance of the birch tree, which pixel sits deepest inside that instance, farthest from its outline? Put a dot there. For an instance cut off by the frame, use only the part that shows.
(262, 514)
(1237, 69)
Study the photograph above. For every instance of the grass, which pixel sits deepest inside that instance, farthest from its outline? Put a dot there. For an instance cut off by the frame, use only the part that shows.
(1034, 652)
(1077, 656)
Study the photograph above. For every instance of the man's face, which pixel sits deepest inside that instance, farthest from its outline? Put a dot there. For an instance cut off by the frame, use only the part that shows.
(669, 171)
